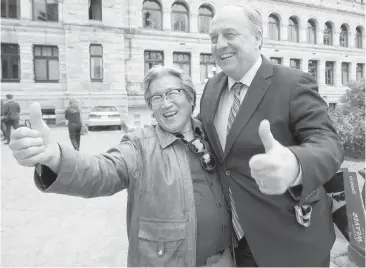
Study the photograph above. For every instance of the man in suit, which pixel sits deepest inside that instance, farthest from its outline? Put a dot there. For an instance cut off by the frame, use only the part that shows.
(276, 146)
(11, 115)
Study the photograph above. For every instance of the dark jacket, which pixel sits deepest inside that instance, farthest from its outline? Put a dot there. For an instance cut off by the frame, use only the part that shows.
(299, 120)
(11, 111)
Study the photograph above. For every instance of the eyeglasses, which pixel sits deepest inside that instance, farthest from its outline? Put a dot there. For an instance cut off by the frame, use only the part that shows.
(171, 95)
(198, 147)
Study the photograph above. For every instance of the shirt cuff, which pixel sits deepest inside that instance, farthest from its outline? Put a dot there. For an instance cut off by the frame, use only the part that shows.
(298, 180)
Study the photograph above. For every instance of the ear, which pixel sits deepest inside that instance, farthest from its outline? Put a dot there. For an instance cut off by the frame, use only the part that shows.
(259, 39)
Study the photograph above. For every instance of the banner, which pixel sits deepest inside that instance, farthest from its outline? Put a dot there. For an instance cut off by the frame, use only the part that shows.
(348, 212)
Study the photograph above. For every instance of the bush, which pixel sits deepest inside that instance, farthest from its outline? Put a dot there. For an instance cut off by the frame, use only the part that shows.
(349, 119)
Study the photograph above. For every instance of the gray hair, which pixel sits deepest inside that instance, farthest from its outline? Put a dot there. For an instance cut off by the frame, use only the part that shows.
(254, 17)
(159, 71)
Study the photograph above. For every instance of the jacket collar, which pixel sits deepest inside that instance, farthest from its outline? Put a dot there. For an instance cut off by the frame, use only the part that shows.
(166, 138)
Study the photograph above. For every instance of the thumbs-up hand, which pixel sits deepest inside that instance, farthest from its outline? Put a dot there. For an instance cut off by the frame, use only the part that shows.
(35, 146)
(275, 170)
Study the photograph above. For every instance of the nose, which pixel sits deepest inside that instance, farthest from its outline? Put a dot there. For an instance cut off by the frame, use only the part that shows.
(166, 102)
(221, 42)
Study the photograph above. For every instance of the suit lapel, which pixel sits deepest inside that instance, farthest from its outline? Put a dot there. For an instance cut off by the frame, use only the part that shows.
(253, 97)
(211, 103)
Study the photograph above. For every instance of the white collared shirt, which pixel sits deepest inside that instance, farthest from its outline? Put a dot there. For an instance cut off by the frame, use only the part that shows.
(227, 99)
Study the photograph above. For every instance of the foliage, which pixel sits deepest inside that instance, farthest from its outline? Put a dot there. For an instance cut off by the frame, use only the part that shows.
(349, 119)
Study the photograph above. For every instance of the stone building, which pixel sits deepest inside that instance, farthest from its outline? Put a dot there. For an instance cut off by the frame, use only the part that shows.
(98, 50)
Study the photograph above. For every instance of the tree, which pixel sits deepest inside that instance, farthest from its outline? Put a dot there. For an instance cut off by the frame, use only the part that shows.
(349, 119)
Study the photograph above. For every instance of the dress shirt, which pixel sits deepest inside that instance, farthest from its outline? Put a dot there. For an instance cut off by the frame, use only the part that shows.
(227, 100)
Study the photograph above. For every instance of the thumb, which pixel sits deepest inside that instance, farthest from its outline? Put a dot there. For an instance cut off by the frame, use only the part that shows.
(35, 118)
(266, 135)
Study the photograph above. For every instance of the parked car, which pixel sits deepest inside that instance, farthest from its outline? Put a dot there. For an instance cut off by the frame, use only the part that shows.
(104, 116)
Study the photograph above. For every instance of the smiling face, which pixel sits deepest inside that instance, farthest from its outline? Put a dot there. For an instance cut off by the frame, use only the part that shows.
(173, 116)
(234, 45)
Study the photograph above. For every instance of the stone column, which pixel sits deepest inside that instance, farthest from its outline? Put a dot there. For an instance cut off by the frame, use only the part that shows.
(193, 23)
(321, 73)
(195, 67)
(25, 9)
(167, 20)
(337, 73)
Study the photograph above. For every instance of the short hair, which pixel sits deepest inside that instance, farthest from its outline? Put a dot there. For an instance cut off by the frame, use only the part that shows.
(9, 96)
(159, 71)
(254, 17)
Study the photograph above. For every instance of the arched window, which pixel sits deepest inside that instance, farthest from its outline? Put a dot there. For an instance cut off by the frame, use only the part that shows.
(358, 42)
(205, 15)
(273, 27)
(343, 36)
(311, 33)
(180, 17)
(328, 34)
(152, 15)
(293, 30)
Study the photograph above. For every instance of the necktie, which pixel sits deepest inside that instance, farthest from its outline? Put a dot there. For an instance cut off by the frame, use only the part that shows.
(237, 87)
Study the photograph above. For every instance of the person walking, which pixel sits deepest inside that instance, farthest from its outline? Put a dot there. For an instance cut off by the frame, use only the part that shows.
(73, 115)
(11, 116)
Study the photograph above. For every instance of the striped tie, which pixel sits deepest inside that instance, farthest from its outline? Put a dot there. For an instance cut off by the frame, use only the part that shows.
(237, 87)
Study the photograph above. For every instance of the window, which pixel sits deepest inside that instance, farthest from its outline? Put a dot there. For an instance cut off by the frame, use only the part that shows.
(207, 66)
(95, 9)
(358, 42)
(96, 62)
(345, 73)
(182, 60)
(343, 36)
(46, 65)
(273, 28)
(153, 58)
(293, 30)
(46, 10)
(328, 34)
(311, 34)
(329, 69)
(276, 60)
(204, 18)
(180, 20)
(313, 68)
(10, 62)
(152, 15)
(332, 106)
(295, 63)
(359, 71)
(137, 120)
(10, 9)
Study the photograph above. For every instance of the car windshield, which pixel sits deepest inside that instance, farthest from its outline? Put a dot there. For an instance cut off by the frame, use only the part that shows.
(104, 109)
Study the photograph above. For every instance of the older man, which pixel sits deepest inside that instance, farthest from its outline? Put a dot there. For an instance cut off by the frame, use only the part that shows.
(277, 147)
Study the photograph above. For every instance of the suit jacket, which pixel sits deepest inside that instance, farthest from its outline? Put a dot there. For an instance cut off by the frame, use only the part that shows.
(299, 120)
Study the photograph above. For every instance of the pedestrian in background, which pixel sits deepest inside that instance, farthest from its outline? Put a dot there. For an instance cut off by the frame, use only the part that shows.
(3, 127)
(11, 116)
(72, 114)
